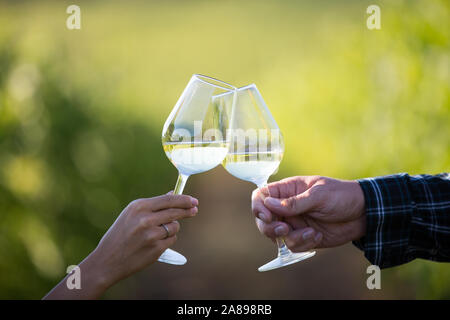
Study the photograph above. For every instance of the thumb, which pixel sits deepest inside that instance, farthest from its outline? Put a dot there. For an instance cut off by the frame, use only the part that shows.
(291, 206)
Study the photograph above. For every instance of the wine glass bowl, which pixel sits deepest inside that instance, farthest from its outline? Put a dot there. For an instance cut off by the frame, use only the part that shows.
(194, 135)
(255, 152)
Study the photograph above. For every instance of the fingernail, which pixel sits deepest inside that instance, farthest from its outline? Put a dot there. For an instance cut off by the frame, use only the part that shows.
(194, 210)
(279, 231)
(194, 201)
(318, 237)
(308, 234)
(272, 202)
(262, 216)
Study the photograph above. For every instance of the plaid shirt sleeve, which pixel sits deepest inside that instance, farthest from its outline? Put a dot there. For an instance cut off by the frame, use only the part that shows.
(408, 217)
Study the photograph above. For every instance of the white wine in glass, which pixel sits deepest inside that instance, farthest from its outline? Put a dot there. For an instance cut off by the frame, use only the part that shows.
(256, 150)
(194, 135)
(254, 167)
(195, 157)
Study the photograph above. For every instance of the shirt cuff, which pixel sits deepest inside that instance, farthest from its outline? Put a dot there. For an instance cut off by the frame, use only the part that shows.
(388, 209)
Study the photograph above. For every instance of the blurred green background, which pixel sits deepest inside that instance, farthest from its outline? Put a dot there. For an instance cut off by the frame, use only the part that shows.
(81, 114)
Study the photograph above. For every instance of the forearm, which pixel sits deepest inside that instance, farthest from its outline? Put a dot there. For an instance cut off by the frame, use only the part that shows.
(93, 282)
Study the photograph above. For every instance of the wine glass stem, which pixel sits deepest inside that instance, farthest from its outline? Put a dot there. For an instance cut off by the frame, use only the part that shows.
(181, 182)
(283, 250)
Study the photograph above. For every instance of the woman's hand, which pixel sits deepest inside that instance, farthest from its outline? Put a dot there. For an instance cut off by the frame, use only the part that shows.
(135, 240)
(310, 211)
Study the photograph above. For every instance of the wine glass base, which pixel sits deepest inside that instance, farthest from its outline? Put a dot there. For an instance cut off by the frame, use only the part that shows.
(172, 257)
(287, 260)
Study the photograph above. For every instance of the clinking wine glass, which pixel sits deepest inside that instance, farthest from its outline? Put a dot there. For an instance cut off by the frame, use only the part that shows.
(194, 134)
(256, 150)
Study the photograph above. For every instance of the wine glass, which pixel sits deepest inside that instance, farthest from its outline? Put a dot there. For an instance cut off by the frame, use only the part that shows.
(256, 150)
(194, 134)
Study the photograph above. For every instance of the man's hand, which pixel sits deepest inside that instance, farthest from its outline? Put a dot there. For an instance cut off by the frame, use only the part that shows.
(310, 211)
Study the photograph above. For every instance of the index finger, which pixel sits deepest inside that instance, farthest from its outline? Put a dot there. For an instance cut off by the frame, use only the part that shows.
(172, 214)
(268, 229)
(172, 201)
(258, 208)
(288, 187)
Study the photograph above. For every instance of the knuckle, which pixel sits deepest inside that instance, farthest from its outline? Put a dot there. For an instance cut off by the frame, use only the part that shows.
(320, 181)
(317, 177)
(151, 237)
(137, 205)
(186, 201)
(133, 205)
(169, 198)
(145, 222)
(182, 199)
(193, 211)
(290, 203)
